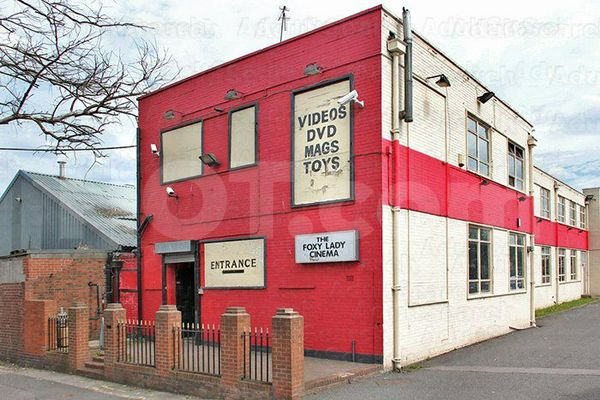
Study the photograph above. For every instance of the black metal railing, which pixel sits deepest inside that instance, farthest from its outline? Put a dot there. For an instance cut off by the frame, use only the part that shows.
(136, 342)
(257, 355)
(197, 348)
(58, 333)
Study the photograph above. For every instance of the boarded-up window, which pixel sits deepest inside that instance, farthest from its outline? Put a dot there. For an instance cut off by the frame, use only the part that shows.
(181, 149)
(242, 137)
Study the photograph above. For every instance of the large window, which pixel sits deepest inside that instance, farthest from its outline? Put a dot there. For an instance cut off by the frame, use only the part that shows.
(242, 137)
(582, 219)
(546, 264)
(517, 261)
(478, 146)
(545, 202)
(562, 259)
(573, 264)
(572, 213)
(180, 149)
(480, 256)
(561, 209)
(515, 166)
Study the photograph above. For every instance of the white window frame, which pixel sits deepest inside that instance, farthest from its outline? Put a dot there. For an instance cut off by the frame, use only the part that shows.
(573, 266)
(572, 213)
(480, 164)
(561, 209)
(546, 257)
(516, 245)
(513, 154)
(582, 217)
(483, 286)
(545, 203)
(562, 265)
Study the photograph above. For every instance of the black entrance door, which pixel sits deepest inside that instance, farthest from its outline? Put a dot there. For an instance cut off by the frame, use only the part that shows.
(184, 291)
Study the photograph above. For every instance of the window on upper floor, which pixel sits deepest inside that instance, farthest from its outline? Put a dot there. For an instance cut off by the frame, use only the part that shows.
(562, 260)
(561, 209)
(572, 213)
(180, 151)
(546, 264)
(545, 203)
(517, 261)
(574, 265)
(243, 137)
(478, 147)
(480, 260)
(515, 166)
(582, 218)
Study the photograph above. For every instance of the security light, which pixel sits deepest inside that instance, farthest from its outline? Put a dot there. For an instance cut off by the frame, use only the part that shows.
(522, 198)
(589, 198)
(484, 182)
(209, 159)
(154, 149)
(352, 96)
(443, 80)
(232, 94)
(169, 114)
(484, 98)
(171, 192)
(313, 69)
(219, 109)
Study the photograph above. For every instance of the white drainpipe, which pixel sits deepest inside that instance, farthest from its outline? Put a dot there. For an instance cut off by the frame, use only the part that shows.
(397, 48)
(531, 143)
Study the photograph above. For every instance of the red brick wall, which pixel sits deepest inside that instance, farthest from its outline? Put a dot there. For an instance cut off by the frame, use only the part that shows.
(11, 317)
(64, 278)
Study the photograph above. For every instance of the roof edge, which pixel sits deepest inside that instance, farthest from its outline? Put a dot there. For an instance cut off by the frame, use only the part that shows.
(558, 180)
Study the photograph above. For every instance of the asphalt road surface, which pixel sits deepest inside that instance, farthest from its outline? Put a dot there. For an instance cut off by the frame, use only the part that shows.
(558, 361)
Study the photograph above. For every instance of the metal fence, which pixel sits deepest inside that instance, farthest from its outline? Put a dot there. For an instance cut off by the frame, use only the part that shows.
(58, 333)
(257, 355)
(136, 342)
(197, 348)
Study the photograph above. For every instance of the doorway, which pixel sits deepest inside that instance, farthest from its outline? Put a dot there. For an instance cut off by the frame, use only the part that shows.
(184, 291)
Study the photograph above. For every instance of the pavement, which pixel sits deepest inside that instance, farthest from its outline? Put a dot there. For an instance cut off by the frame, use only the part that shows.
(559, 360)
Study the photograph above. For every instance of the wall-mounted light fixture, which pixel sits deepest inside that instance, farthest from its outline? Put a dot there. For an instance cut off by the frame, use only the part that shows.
(540, 219)
(232, 94)
(461, 160)
(522, 198)
(443, 80)
(484, 98)
(218, 109)
(519, 223)
(170, 114)
(18, 199)
(313, 69)
(484, 182)
(154, 150)
(210, 160)
(589, 198)
(171, 192)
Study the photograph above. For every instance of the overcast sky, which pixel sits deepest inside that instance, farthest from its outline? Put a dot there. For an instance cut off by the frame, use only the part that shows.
(543, 60)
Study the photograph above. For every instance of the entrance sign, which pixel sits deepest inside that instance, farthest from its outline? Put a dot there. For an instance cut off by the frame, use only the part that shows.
(238, 263)
(327, 247)
(322, 144)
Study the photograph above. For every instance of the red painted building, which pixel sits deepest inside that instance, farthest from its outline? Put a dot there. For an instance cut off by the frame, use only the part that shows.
(256, 194)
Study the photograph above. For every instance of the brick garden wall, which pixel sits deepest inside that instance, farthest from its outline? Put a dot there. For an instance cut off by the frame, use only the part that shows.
(11, 315)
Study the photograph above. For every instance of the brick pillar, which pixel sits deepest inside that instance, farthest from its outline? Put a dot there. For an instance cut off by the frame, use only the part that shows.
(79, 335)
(167, 317)
(113, 314)
(288, 354)
(35, 325)
(233, 323)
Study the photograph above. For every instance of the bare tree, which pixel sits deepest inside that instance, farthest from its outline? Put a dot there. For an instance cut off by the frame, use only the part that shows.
(58, 73)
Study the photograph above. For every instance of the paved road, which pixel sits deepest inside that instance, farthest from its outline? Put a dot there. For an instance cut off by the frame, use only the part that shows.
(31, 384)
(558, 361)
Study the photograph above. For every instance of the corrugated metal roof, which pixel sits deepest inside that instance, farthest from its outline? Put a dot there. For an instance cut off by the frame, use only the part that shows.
(109, 208)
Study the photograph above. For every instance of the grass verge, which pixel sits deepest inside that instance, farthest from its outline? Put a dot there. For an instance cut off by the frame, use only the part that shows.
(542, 312)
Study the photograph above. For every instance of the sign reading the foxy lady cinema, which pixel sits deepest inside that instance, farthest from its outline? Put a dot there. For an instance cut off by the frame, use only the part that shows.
(238, 263)
(327, 247)
(322, 145)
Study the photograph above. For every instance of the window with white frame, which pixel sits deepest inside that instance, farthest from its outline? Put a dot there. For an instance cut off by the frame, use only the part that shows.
(582, 219)
(478, 147)
(480, 257)
(545, 202)
(546, 264)
(562, 260)
(573, 265)
(515, 166)
(572, 213)
(517, 261)
(561, 209)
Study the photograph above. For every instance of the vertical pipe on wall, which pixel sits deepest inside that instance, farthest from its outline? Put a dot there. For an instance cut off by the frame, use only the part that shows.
(531, 143)
(395, 47)
(138, 213)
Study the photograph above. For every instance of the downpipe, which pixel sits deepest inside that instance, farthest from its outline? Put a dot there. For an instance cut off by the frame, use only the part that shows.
(531, 143)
